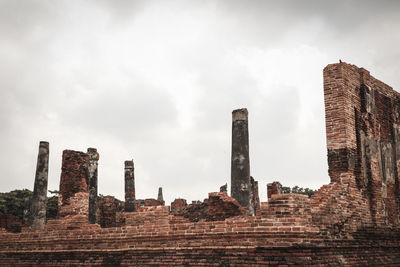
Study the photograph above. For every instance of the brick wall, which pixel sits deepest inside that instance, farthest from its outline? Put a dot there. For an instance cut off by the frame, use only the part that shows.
(351, 221)
(362, 122)
(283, 233)
(11, 223)
(107, 212)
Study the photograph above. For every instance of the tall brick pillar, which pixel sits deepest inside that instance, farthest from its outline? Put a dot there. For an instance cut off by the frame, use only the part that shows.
(73, 197)
(240, 164)
(37, 213)
(362, 136)
(93, 163)
(129, 186)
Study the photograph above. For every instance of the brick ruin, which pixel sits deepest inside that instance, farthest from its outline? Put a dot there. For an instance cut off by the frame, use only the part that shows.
(353, 220)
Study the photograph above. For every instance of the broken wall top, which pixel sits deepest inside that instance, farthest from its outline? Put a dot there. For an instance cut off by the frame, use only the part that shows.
(343, 94)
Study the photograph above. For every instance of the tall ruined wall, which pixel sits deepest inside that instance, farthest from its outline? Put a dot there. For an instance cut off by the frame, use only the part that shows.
(363, 137)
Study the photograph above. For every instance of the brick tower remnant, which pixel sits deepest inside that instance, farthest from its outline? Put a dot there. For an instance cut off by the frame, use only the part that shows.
(274, 188)
(37, 213)
(93, 164)
(129, 186)
(362, 116)
(160, 195)
(241, 188)
(74, 188)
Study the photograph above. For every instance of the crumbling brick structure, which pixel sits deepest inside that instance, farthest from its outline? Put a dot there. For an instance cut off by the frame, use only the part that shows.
(274, 188)
(107, 212)
(178, 203)
(217, 207)
(73, 196)
(363, 138)
(148, 202)
(353, 220)
(11, 223)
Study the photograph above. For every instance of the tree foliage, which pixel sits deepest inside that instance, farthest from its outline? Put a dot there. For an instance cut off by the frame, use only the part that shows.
(298, 190)
(52, 205)
(16, 201)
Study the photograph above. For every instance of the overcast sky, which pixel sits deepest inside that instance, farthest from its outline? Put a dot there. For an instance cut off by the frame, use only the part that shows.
(157, 81)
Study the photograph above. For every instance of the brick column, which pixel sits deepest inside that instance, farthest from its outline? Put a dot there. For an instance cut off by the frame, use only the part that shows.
(93, 163)
(37, 214)
(240, 163)
(129, 186)
(73, 198)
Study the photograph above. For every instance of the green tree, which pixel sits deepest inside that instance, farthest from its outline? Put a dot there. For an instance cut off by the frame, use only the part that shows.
(298, 190)
(286, 190)
(52, 205)
(14, 202)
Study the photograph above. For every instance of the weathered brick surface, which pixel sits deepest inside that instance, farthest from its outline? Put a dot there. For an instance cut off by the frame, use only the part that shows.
(353, 221)
(178, 203)
(218, 207)
(362, 121)
(107, 212)
(221, 206)
(11, 223)
(74, 188)
(148, 202)
(274, 188)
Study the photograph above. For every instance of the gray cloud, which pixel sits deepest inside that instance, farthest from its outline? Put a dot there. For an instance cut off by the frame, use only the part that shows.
(157, 81)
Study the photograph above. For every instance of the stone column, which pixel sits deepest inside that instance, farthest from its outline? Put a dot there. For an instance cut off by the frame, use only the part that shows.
(93, 163)
(240, 163)
(37, 211)
(73, 197)
(129, 186)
